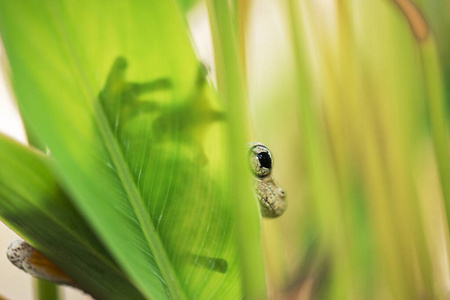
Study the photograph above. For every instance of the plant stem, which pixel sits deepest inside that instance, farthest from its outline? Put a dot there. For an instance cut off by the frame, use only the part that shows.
(232, 88)
(46, 290)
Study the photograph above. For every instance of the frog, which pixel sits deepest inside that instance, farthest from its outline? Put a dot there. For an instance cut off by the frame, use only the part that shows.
(194, 113)
(271, 197)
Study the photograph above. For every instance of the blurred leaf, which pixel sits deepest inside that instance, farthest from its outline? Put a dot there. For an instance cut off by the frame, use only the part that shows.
(145, 168)
(33, 204)
(230, 63)
(356, 161)
(187, 4)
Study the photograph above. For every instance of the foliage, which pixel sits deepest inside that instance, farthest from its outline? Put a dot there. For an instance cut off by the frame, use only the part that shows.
(136, 137)
(147, 177)
(370, 155)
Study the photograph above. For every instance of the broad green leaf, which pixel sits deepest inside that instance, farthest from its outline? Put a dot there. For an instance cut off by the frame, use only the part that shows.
(35, 206)
(145, 167)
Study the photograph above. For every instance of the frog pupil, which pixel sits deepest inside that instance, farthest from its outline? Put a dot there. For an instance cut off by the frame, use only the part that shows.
(265, 160)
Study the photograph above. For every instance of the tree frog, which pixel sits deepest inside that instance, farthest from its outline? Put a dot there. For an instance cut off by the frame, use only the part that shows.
(119, 99)
(272, 198)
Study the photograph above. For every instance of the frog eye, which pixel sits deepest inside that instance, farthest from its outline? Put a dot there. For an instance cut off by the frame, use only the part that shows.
(260, 160)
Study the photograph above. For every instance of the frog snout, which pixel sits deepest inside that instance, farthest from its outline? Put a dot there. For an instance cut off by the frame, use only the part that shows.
(281, 193)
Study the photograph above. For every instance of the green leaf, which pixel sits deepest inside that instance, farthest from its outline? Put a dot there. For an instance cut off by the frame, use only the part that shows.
(145, 169)
(34, 205)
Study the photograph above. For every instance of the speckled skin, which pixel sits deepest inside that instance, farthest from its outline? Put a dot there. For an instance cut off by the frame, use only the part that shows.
(18, 252)
(272, 198)
(26, 257)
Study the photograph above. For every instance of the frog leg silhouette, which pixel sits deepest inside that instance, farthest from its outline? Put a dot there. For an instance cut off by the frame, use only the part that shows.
(120, 98)
(211, 263)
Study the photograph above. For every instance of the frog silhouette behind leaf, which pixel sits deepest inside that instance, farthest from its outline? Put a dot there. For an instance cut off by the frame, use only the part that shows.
(183, 124)
(194, 113)
(185, 121)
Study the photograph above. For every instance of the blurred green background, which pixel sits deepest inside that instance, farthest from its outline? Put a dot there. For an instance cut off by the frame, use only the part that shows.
(353, 100)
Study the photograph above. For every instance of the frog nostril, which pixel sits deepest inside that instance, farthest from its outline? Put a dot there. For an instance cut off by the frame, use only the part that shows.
(282, 193)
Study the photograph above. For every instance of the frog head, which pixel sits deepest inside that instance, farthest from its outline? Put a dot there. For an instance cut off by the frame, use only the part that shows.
(272, 198)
